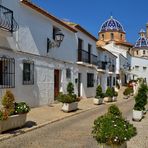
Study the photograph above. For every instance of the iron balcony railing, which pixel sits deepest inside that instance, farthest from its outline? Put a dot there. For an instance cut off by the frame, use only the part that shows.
(85, 56)
(102, 65)
(112, 68)
(94, 59)
(7, 22)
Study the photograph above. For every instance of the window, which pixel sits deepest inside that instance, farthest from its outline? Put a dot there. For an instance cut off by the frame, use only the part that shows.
(121, 36)
(136, 67)
(90, 80)
(143, 51)
(112, 36)
(80, 43)
(89, 53)
(114, 81)
(102, 36)
(144, 68)
(68, 73)
(137, 52)
(7, 72)
(55, 30)
(28, 72)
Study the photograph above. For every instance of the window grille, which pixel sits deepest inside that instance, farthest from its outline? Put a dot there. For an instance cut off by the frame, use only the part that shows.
(7, 72)
(28, 72)
(68, 73)
(90, 80)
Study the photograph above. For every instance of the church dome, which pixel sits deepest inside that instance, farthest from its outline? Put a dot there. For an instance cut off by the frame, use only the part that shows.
(142, 41)
(111, 25)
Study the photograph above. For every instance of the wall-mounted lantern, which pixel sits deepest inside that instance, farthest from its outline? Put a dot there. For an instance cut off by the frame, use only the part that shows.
(59, 36)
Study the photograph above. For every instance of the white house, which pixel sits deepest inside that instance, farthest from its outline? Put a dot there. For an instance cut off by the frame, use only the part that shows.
(34, 65)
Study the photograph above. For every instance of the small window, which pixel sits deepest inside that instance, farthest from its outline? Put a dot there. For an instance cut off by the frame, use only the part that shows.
(143, 51)
(144, 68)
(121, 36)
(7, 72)
(102, 36)
(28, 72)
(68, 73)
(112, 36)
(136, 67)
(90, 80)
(137, 52)
(55, 30)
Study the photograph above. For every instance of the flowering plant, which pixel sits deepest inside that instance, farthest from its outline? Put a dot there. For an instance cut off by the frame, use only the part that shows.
(112, 128)
(21, 108)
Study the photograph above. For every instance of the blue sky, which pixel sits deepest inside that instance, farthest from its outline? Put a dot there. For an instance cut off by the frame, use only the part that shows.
(90, 14)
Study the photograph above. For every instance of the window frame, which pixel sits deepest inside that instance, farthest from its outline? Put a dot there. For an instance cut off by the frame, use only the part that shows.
(90, 80)
(31, 73)
(7, 72)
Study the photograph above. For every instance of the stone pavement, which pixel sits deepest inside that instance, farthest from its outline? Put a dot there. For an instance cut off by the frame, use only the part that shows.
(141, 139)
(44, 115)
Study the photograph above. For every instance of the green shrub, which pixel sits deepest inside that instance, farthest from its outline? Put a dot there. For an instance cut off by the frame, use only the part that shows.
(66, 98)
(21, 108)
(127, 91)
(8, 102)
(3, 114)
(70, 88)
(109, 92)
(141, 98)
(99, 93)
(113, 109)
(112, 128)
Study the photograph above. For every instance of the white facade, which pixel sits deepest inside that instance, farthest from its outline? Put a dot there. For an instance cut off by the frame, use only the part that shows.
(139, 68)
(29, 43)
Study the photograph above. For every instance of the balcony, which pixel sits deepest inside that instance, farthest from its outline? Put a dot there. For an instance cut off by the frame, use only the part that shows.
(86, 57)
(112, 68)
(7, 22)
(102, 65)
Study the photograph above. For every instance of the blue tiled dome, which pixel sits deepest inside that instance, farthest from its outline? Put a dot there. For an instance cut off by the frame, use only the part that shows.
(142, 41)
(111, 25)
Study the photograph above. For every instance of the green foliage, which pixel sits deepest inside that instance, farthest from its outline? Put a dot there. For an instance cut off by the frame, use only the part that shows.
(8, 102)
(112, 128)
(141, 98)
(3, 114)
(109, 92)
(21, 108)
(113, 109)
(128, 91)
(66, 98)
(70, 88)
(99, 93)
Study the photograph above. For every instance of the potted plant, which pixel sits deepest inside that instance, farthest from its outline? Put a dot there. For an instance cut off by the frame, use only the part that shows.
(12, 115)
(126, 93)
(108, 95)
(99, 96)
(140, 102)
(112, 130)
(69, 100)
(115, 94)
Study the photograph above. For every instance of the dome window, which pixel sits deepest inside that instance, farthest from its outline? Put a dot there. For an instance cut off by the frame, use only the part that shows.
(112, 36)
(102, 36)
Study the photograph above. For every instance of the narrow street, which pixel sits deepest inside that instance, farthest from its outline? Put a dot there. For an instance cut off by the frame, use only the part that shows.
(73, 132)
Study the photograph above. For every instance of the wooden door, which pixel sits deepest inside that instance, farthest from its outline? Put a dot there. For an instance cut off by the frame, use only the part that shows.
(56, 82)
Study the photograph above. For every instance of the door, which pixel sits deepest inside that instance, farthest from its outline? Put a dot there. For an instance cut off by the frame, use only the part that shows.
(56, 82)
(79, 84)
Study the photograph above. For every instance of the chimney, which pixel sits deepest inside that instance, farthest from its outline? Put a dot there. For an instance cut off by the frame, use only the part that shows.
(147, 30)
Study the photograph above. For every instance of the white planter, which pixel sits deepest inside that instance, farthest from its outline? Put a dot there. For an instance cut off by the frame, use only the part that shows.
(107, 99)
(15, 121)
(67, 107)
(114, 98)
(124, 145)
(125, 97)
(98, 101)
(137, 115)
